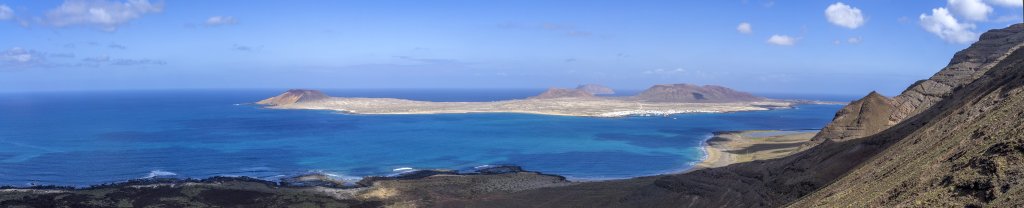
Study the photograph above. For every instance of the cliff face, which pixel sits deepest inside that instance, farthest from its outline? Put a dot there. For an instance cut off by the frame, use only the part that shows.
(694, 93)
(965, 67)
(294, 96)
(562, 93)
(596, 89)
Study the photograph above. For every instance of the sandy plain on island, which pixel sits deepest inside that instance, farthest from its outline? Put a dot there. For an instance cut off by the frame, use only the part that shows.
(726, 148)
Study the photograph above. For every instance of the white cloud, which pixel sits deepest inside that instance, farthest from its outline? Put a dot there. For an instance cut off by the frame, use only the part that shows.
(974, 10)
(220, 20)
(782, 40)
(745, 28)
(6, 12)
(1008, 3)
(844, 15)
(854, 40)
(943, 24)
(18, 55)
(107, 15)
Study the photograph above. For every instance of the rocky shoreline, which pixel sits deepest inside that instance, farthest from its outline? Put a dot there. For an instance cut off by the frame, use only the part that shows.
(371, 191)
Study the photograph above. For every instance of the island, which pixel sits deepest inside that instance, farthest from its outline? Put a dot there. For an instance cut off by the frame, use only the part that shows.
(658, 100)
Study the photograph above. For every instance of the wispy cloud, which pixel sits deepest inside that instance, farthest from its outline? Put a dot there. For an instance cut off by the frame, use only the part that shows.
(20, 56)
(108, 61)
(221, 20)
(428, 60)
(745, 28)
(136, 62)
(782, 40)
(6, 13)
(246, 48)
(106, 15)
(26, 58)
(854, 40)
(117, 46)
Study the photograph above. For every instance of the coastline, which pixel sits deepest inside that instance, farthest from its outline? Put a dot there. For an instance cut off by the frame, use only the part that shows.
(730, 147)
(721, 149)
(410, 189)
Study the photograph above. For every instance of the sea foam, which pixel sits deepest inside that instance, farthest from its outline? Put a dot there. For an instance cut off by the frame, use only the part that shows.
(159, 173)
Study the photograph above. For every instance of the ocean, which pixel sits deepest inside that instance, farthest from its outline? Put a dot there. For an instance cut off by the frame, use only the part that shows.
(87, 138)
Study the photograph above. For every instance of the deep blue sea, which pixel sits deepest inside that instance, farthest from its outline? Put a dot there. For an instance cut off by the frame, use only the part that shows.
(85, 138)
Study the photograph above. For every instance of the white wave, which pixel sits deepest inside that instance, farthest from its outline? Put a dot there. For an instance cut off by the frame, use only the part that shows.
(403, 169)
(338, 176)
(159, 173)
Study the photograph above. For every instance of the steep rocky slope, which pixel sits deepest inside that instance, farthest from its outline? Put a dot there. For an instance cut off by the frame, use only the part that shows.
(694, 93)
(962, 147)
(965, 151)
(965, 66)
(294, 96)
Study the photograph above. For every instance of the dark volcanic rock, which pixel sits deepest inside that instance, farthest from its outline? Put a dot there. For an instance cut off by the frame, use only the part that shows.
(313, 179)
(294, 96)
(694, 93)
(562, 93)
(213, 192)
(596, 89)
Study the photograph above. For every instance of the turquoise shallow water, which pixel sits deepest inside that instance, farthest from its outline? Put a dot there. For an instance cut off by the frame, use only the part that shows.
(85, 138)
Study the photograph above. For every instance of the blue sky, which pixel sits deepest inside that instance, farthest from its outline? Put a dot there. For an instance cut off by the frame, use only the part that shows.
(844, 47)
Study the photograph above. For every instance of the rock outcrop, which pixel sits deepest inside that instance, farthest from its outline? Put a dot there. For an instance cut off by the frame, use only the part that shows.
(694, 94)
(294, 96)
(965, 67)
(596, 89)
(562, 93)
(858, 119)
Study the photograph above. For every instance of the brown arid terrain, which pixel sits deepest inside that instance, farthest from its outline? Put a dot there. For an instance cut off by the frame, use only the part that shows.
(694, 93)
(954, 140)
(563, 93)
(660, 100)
